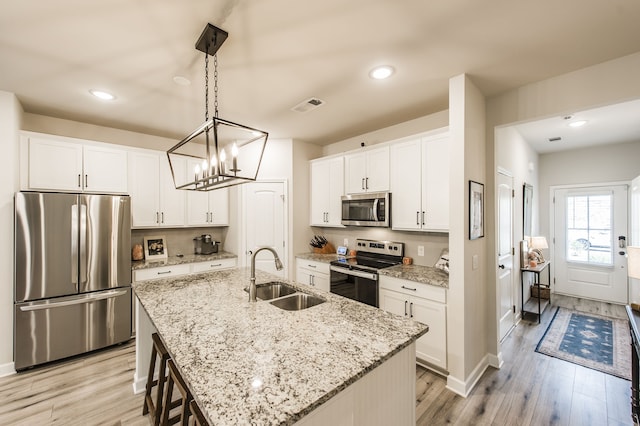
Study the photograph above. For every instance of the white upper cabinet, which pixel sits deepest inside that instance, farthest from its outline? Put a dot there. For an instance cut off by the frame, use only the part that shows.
(327, 186)
(154, 200)
(420, 183)
(207, 208)
(64, 164)
(367, 171)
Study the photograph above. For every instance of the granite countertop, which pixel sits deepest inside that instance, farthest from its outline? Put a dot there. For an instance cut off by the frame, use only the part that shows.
(254, 363)
(175, 260)
(320, 257)
(422, 274)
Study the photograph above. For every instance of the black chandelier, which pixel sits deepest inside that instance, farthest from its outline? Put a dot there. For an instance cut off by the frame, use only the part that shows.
(219, 153)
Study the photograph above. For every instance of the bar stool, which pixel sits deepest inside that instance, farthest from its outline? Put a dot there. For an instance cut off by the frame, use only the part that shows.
(182, 402)
(154, 409)
(197, 416)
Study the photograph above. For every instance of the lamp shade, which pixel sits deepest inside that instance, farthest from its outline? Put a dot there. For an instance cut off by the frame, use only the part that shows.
(539, 243)
(633, 262)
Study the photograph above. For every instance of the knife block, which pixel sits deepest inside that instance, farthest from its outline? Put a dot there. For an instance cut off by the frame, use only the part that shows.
(327, 249)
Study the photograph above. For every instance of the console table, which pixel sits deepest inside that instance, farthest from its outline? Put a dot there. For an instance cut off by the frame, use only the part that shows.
(634, 325)
(541, 303)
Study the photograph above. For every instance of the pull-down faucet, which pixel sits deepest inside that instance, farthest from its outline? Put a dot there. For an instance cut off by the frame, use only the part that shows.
(252, 285)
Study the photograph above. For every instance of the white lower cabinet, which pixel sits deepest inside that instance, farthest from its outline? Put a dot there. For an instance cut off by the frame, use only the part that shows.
(423, 303)
(313, 273)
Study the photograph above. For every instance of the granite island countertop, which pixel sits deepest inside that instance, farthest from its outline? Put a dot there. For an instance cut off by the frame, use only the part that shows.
(179, 260)
(254, 363)
(320, 257)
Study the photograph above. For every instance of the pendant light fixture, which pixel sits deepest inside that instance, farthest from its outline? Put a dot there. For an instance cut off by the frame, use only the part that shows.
(219, 153)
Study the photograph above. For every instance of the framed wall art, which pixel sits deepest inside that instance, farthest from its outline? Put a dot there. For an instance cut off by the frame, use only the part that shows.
(155, 247)
(476, 210)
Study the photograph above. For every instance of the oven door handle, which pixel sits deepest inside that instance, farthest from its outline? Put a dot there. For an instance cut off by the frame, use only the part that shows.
(359, 274)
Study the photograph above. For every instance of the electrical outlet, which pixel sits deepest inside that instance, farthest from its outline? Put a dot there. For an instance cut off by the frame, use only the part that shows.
(346, 242)
(420, 250)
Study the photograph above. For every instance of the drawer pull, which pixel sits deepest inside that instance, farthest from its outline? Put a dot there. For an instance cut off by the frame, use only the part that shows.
(163, 272)
(409, 288)
(216, 265)
(311, 266)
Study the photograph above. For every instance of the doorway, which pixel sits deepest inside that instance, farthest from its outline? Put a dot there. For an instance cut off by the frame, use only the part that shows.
(504, 273)
(589, 233)
(265, 224)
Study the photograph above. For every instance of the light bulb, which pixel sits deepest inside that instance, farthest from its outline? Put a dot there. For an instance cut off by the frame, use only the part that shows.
(223, 156)
(234, 150)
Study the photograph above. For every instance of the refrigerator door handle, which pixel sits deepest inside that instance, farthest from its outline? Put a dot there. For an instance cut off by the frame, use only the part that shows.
(74, 300)
(74, 245)
(82, 265)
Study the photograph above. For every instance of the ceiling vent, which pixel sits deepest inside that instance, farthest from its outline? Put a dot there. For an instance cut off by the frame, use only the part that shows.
(556, 139)
(308, 105)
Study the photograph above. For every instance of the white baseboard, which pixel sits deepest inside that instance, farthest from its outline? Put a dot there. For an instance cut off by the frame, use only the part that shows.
(139, 384)
(464, 387)
(495, 361)
(7, 369)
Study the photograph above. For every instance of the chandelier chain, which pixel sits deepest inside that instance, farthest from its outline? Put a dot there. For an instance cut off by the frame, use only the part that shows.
(206, 88)
(215, 84)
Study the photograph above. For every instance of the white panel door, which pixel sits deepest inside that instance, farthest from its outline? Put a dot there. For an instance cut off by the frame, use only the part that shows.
(504, 273)
(264, 206)
(588, 224)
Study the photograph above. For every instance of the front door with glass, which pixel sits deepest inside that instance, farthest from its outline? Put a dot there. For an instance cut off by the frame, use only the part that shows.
(590, 228)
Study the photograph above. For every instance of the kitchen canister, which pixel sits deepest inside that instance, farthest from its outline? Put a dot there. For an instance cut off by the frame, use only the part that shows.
(136, 252)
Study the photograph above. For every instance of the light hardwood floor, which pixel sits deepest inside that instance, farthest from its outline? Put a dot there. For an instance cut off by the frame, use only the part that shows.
(530, 389)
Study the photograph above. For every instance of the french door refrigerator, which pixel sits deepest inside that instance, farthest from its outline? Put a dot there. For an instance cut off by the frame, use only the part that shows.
(72, 275)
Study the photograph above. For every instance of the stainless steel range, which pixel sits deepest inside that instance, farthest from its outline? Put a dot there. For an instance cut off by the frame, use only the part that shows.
(357, 277)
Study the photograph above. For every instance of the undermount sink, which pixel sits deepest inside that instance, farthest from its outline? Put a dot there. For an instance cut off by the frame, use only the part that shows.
(297, 302)
(272, 290)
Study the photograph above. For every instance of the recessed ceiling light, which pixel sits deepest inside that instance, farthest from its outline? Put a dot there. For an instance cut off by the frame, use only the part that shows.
(181, 81)
(101, 94)
(382, 72)
(578, 123)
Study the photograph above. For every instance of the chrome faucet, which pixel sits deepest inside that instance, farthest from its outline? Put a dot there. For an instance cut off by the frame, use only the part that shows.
(252, 285)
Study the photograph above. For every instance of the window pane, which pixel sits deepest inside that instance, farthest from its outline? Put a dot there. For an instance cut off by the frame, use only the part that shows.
(589, 235)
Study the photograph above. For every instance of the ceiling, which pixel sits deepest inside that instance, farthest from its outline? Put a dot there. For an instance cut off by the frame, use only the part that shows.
(282, 52)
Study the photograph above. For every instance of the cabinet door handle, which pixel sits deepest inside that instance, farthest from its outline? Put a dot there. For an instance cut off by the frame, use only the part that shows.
(423, 217)
(86, 181)
(417, 218)
(366, 183)
(405, 308)
(162, 216)
(157, 221)
(79, 182)
(362, 184)
(313, 280)
(409, 288)
(411, 309)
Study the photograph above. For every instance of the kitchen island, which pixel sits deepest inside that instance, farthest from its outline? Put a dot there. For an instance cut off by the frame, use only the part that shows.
(254, 363)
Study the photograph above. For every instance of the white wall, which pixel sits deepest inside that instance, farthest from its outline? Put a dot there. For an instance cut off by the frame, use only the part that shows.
(10, 118)
(467, 301)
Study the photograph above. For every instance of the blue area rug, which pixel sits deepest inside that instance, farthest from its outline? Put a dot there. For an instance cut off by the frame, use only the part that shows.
(593, 341)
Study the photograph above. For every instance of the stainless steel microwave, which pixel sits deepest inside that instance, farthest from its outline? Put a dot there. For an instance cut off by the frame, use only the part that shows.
(373, 209)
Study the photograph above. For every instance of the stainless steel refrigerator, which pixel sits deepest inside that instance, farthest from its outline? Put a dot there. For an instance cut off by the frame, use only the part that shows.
(72, 275)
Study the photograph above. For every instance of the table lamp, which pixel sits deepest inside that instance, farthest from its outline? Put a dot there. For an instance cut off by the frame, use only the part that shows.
(537, 244)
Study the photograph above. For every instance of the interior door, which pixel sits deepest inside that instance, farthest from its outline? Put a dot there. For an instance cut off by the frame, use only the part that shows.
(264, 214)
(504, 273)
(590, 229)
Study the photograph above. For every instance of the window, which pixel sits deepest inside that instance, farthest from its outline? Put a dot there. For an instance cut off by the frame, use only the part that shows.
(589, 233)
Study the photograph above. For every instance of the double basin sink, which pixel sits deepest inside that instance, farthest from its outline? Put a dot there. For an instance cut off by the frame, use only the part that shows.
(285, 297)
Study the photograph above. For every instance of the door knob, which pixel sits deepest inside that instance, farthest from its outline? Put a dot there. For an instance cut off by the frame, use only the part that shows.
(501, 266)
